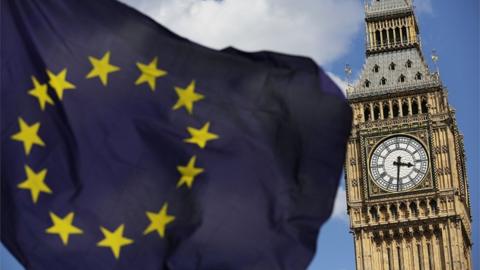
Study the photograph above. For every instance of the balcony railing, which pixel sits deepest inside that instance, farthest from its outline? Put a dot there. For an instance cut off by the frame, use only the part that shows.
(389, 45)
(408, 119)
(386, 9)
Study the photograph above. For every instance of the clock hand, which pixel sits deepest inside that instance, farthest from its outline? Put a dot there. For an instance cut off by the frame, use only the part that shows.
(398, 163)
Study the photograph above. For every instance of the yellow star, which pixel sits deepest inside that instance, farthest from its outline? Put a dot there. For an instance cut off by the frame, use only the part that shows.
(186, 97)
(159, 221)
(59, 82)
(28, 135)
(150, 73)
(101, 68)
(35, 182)
(188, 173)
(63, 227)
(201, 136)
(40, 92)
(114, 240)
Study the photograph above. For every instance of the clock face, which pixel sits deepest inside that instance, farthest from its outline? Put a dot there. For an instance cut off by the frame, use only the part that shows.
(399, 163)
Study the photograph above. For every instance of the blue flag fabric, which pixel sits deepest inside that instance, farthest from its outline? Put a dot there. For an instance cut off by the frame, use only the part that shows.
(124, 146)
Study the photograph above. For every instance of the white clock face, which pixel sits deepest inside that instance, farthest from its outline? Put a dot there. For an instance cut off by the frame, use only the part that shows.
(399, 163)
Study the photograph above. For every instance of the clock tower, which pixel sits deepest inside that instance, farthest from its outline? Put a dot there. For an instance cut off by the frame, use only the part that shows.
(406, 181)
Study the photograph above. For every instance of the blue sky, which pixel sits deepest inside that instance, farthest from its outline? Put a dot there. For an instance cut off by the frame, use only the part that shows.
(450, 27)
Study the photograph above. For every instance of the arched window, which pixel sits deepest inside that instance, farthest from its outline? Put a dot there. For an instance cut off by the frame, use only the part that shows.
(397, 35)
(374, 214)
(376, 68)
(414, 209)
(392, 66)
(403, 210)
(395, 109)
(418, 76)
(366, 83)
(405, 107)
(424, 105)
(433, 206)
(394, 211)
(366, 112)
(401, 78)
(383, 81)
(415, 108)
(404, 34)
(408, 64)
(378, 39)
(384, 37)
(386, 110)
(390, 36)
(376, 112)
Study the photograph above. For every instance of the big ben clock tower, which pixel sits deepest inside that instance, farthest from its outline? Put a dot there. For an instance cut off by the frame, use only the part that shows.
(406, 181)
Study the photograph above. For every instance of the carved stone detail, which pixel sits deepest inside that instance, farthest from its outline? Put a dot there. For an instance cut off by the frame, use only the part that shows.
(435, 215)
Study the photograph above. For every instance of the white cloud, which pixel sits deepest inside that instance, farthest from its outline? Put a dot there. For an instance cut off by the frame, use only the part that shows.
(341, 83)
(340, 205)
(321, 29)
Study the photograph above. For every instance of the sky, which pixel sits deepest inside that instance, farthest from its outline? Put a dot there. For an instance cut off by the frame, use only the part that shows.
(332, 33)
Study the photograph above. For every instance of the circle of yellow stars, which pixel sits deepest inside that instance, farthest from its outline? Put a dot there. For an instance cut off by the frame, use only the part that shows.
(36, 179)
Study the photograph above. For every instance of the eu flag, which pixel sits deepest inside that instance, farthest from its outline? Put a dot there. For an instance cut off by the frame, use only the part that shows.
(125, 146)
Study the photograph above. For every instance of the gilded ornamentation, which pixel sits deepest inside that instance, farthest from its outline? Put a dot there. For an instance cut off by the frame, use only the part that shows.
(394, 97)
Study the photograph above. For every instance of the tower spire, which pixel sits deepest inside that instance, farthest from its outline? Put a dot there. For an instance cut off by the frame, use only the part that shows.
(394, 58)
